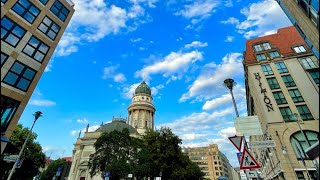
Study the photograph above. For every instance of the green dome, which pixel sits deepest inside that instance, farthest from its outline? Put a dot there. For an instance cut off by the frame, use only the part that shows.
(143, 88)
(117, 125)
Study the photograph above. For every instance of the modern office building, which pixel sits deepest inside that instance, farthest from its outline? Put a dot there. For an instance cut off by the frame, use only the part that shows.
(282, 89)
(30, 32)
(304, 15)
(211, 162)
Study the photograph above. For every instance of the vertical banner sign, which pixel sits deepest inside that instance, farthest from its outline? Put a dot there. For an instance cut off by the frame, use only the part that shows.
(236, 141)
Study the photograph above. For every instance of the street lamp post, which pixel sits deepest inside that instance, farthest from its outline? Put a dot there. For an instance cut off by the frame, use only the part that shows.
(229, 84)
(36, 117)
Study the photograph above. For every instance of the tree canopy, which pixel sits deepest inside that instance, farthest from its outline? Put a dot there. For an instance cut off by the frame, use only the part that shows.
(33, 157)
(156, 154)
(52, 169)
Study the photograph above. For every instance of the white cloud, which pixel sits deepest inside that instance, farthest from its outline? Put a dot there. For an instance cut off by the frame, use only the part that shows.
(192, 136)
(134, 40)
(239, 95)
(209, 83)
(82, 121)
(129, 91)
(42, 102)
(172, 66)
(196, 44)
(229, 39)
(108, 19)
(259, 23)
(90, 129)
(110, 72)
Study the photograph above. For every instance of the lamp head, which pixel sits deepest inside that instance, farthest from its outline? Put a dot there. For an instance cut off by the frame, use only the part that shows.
(37, 115)
(229, 83)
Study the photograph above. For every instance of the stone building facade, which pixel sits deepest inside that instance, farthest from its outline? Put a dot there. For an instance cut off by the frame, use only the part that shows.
(282, 86)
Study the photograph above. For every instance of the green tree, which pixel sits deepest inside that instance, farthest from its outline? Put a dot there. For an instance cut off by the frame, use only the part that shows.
(33, 157)
(52, 169)
(117, 153)
(167, 157)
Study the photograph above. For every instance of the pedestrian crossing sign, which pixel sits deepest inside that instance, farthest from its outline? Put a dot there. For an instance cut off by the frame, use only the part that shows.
(248, 161)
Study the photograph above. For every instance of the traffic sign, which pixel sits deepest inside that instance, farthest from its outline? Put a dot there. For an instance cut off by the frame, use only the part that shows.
(107, 174)
(19, 163)
(248, 161)
(236, 141)
(239, 157)
(252, 174)
(10, 158)
(262, 144)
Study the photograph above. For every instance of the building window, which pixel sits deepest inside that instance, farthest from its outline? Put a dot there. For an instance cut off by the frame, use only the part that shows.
(49, 28)
(59, 10)
(8, 108)
(299, 49)
(296, 95)
(4, 1)
(288, 81)
(308, 63)
(261, 47)
(279, 97)
(273, 83)
(286, 114)
(315, 76)
(261, 57)
(299, 144)
(304, 112)
(281, 67)
(4, 58)
(11, 33)
(310, 7)
(266, 69)
(274, 54)
(44, 2)
(19, 76)
(26, 10)
(300, 175)
(36, 49)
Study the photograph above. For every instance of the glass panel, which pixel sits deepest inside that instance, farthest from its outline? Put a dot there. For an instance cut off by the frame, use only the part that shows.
(39, 56)
(266, 46)
(62, 17)
(17, 68)
(51, 34)
(55, 28)
(10, 78)
(29, 74)
(274, 54)
(28, 50)
(3, 32)
(43, 1)
(43, 48)
(34, 42)
(29, 17)
(54, 10)
(315, 76)
(57, 4)
(6, 23)
(18, 9)
(65, 11)
(23, 84)
(18, 31)
(24, 3)
(47, 21)
(11, 39)
(43, 28)
(35, 11)
(315, 4)
(257, 48)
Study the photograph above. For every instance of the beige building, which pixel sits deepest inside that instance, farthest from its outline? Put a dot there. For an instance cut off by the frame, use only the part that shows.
(30, 32)
(304, 15)
(282, 85)
(211, 162)
(141, 117)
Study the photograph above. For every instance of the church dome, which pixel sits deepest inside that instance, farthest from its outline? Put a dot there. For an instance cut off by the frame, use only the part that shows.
(143, 88)
(117, 124)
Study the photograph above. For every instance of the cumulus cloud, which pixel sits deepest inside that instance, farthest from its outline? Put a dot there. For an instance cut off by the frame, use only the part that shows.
(42, 102)
(229, 39)
(196, 44)
(209, 83)
(90, 129)
(110, 72)
(129, 90)
(108, 19)
(260, 23)
(82, 121)
(173, 66)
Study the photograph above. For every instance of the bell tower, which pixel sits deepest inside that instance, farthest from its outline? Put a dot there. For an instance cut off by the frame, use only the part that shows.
(141, 110)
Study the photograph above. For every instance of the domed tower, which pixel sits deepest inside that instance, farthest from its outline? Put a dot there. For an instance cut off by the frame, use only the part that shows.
(141, 110)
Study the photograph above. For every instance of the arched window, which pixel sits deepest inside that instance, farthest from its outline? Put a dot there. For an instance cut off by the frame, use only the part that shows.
(299, 143)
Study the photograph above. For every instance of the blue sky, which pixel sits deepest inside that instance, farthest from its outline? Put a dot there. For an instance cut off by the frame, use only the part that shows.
(183, 49)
